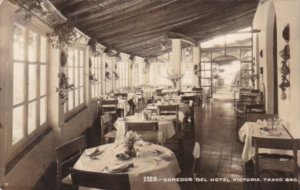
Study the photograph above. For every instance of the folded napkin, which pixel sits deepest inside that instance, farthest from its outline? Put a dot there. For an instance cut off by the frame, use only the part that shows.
(120, 168)
(167, 156)
(94, 152)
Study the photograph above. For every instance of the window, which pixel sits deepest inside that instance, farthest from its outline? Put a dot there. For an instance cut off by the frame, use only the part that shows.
(96, 71)
(29, 83)
(75, 72)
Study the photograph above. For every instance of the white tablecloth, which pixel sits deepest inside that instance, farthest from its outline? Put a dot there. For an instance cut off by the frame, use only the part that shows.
(250, 129)
(165, 125)
(144, 165)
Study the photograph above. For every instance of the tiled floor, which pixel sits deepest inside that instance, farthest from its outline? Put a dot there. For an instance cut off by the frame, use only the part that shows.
(220, 149)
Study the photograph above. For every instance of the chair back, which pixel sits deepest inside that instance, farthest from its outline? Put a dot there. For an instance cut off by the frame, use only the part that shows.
(141, 126)
(100, 180)
(67, 154)
(253, 117)
(121, 95)
(197, 90)
(187, 99)
(281, 144)
(147, 130)
(169, 110)
(106, 124)
(108, 106)
(276, 143)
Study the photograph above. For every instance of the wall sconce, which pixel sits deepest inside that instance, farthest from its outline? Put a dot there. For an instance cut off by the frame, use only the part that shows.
(261, 70)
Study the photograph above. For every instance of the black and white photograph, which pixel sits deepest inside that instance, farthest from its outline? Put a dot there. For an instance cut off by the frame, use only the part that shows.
(149, 94)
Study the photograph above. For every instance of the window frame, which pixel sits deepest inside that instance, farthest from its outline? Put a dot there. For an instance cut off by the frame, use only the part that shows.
(77, 48)
(96, 69)
(41, 31)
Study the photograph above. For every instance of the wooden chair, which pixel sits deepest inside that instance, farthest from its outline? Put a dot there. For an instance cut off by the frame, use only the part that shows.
(147, 130)
(189, 100)
(170, 110)
(243, 110)
(121, 95)
(100, 180)
(107, 132)
(198, 96)
(140, 95)
(256, 116)
(67, 155)
(275, 162)
(108, 106)
(174, 143)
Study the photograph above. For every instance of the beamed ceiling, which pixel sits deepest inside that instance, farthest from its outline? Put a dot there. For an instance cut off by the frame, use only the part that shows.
(139, 27)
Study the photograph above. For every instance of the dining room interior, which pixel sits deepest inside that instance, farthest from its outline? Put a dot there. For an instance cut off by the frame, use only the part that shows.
(149, 94)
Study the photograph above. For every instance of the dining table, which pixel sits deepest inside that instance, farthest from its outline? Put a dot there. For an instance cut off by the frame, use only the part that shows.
(259, 129)
(165, 125)
(151, 161)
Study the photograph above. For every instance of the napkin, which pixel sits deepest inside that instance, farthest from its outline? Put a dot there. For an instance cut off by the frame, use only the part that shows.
(95, 152)
(119, 168)
(167, 156)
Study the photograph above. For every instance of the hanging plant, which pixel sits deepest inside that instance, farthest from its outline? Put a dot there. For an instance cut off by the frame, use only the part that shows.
(92, 77)
(64, 87)
(27, 6)
(116, 75)
(196, 70)
(107, 75)
(92, 43)
(286, 33)
(63, 35)
(132, 57)
(63, 58)
(110, 52)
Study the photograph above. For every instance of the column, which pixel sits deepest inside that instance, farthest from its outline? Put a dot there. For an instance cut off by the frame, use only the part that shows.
(130, 68)
(113, 78)
(196, 61)
(176, 59)
(103, 69)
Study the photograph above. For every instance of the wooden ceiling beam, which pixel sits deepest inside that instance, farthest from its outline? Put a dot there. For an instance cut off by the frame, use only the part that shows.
(100, 17)
(125, 16)
(155, 19)
(155, 26)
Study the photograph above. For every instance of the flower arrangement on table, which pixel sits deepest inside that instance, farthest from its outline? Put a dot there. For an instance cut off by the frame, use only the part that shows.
(130, 138)
(174, 77)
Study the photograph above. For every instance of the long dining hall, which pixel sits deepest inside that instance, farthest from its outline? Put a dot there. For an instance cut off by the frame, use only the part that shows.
(149, 94)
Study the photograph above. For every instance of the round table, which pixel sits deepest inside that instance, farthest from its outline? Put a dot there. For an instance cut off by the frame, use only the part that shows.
(152, 161)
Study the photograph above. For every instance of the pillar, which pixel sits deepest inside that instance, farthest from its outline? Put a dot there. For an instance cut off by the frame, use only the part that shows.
(176, 59)
(196, 61)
